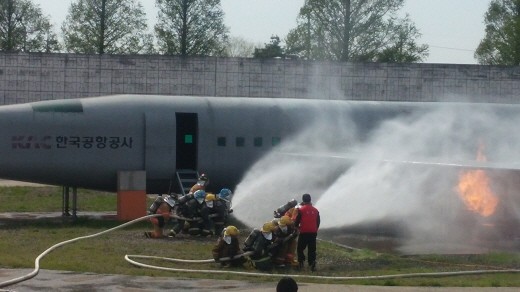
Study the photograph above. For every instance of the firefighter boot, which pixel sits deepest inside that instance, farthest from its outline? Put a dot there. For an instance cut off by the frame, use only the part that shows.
(313, 267)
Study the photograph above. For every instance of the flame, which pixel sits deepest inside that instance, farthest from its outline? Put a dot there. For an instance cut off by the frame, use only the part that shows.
(475, 191)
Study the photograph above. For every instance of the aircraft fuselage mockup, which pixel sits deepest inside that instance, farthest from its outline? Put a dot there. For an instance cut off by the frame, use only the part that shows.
(85, 142)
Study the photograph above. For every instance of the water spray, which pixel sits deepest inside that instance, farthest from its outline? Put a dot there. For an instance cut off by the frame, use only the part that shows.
(402, 167)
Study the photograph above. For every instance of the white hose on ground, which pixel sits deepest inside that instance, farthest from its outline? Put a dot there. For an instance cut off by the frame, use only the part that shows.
(189, 261)
(128, 259)
(393, 276)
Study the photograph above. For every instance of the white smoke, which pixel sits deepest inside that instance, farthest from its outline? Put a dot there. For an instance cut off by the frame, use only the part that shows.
(370, 182)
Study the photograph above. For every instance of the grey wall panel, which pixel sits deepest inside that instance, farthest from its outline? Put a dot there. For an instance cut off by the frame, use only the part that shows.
(33, 77)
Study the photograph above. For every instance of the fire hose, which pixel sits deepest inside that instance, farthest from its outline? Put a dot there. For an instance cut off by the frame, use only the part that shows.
(47, 251)
(393, 276)
(128, 258)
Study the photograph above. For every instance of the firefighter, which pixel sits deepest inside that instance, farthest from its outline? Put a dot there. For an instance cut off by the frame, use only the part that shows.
(214, 213)
(225, 196)
(292, 213)
(181, 210)
(189, 207)
(308, 222)
(200, 224)
(209, 216)
(260, 242)
(285, 240)
(202, 183)
(227, 246)
(160, 206)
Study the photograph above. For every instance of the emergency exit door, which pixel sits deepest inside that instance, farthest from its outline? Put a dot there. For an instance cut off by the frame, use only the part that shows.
(187, 130)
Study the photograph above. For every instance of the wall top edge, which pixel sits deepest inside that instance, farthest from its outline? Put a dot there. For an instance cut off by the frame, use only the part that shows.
(252, 60)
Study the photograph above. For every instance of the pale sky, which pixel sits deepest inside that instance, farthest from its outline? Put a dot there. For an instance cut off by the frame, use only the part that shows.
(452, 28)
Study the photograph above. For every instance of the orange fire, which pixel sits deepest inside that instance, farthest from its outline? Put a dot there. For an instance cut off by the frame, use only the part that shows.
(475, 191)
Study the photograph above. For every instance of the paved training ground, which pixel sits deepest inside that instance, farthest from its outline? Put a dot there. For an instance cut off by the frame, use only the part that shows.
(49, 280)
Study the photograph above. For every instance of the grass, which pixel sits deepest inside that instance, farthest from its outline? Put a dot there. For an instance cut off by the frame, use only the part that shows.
(49, 198)
(104, 254)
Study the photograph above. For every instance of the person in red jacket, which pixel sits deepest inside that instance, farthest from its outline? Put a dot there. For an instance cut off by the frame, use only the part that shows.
(308, 221)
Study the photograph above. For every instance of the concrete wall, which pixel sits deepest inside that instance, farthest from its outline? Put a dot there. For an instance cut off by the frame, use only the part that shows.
(33, 77)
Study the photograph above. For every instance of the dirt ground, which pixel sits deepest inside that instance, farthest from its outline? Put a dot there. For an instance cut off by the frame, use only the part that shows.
(14, 183)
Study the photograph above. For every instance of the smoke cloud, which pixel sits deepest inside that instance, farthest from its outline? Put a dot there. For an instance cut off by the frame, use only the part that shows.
(402, 168)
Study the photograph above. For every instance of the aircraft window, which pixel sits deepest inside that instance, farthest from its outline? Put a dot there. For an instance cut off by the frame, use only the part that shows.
(258, 141)
(275, 141)
(221, 141)
(240, 142)
(188, 139)
(60, 106)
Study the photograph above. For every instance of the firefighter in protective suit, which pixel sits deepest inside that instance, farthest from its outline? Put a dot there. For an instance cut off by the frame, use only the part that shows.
(260, 242)
(225, 197)
(210, 218)
(285, 240)
(182, 211)
(217, 213)
(227, 246)
(189, 207)
(200, 224)
(163, 206)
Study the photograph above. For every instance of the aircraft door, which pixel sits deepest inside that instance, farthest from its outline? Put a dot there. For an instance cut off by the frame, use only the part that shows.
(187, 138)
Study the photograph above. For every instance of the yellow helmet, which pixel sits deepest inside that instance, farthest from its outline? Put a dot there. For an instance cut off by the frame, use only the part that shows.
(268, 227)
(231, 231)
(210, 197)
(285, 220)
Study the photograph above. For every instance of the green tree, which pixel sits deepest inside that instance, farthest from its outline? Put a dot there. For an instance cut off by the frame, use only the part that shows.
(271, 50)
(501, 44)
(24, 28)
(403, 48)
(191, 28)
(107, 27)
(355, 30)
(239, 47)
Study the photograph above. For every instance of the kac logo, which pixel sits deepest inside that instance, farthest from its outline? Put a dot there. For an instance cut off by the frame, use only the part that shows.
(30, 142)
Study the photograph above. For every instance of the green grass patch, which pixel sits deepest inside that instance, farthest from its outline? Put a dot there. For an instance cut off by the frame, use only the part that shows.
(21, 241)
(49, 199)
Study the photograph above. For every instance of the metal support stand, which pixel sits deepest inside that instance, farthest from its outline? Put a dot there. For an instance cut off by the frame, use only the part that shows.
(65, 201)
(75, 202)
(65, 210)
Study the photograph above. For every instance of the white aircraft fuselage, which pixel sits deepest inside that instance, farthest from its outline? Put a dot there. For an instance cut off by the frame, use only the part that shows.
(85, 142)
